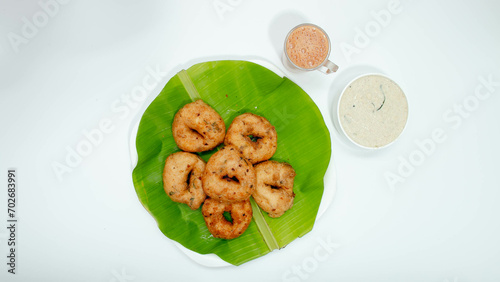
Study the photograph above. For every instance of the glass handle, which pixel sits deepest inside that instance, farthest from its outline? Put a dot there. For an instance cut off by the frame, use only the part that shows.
(328, 67)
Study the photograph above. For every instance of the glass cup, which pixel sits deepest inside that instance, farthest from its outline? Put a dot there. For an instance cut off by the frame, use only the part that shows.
(315, 49)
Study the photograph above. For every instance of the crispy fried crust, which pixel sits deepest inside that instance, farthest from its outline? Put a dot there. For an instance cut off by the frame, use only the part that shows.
(248, 126)
(228, 176)
(197, 127)
(182, 179)
(274, 192)
(219, 227)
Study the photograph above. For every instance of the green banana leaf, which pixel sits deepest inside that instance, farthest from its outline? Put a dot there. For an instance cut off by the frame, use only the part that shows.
(233, 88)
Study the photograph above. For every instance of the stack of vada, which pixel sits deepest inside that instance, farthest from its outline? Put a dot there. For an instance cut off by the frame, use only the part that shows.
(240, 169)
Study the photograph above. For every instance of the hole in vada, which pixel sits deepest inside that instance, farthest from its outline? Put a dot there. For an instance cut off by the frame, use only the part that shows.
(189, 178)
(227, 216)
(229, 179)
(274, 187)
(195, 132)
(254, 138)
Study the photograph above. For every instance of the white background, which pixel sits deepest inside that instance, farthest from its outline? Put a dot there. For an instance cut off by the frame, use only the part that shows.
(440, 224)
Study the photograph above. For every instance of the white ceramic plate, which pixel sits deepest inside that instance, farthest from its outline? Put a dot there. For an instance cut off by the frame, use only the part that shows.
(212, 260)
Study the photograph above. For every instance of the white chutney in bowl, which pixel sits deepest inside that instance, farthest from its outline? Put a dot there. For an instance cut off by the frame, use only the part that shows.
(372, 111)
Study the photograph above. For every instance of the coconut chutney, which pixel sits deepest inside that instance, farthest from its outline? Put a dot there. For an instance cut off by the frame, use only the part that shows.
(373, 111)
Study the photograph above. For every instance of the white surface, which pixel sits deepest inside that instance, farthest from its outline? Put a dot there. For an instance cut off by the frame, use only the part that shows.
(440, 224)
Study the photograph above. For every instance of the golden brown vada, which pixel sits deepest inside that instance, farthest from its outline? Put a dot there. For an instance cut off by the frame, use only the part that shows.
(182, 179)
(228, 176)
(218, 225)
(197, 127)
(274, 191)
(254, 136)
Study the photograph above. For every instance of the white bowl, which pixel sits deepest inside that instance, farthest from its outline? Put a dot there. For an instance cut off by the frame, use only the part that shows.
(338, 123)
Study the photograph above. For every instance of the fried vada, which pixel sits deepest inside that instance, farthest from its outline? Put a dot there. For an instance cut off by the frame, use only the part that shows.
(197, 127)
(274, 189)
(254, 136)
(240, 217)
(228, 176)
(182, 179)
